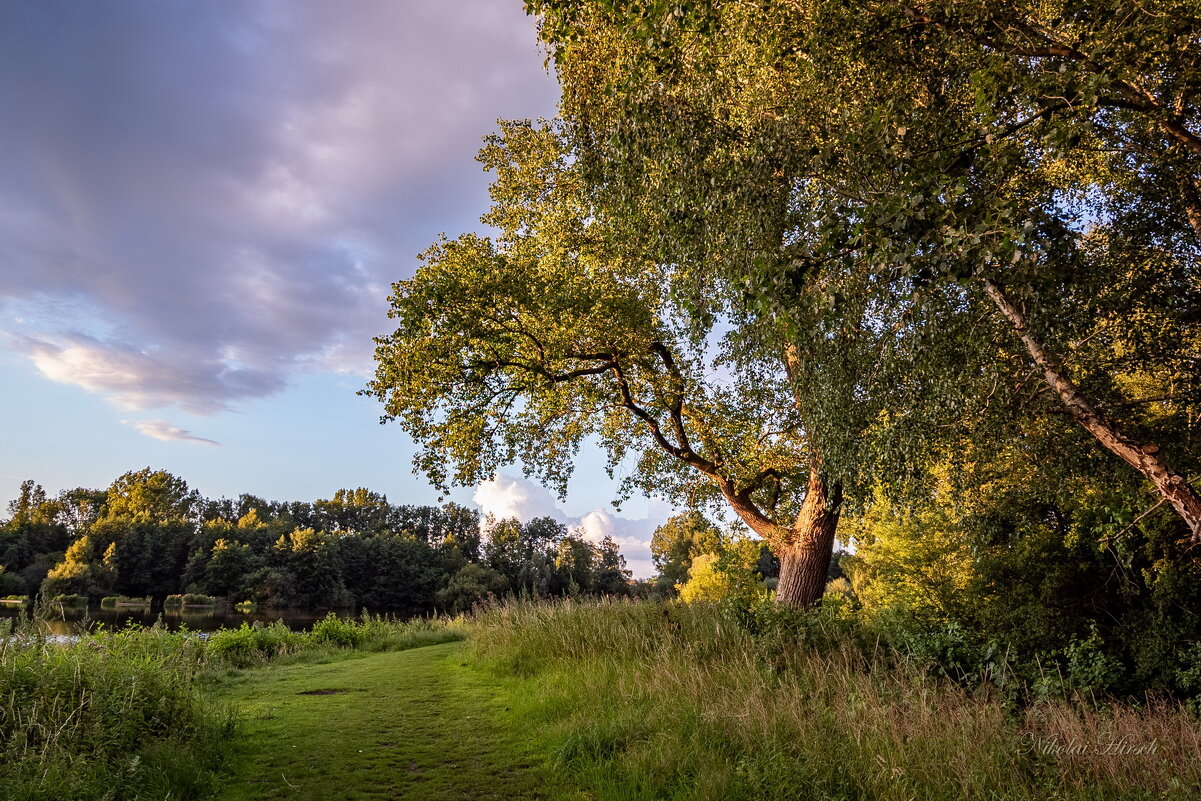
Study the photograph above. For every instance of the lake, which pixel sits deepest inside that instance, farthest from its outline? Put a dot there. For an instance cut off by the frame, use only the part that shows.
(77, 620)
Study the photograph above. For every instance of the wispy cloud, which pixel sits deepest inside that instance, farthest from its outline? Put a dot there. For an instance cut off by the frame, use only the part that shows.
(161, 429)
(136, 379)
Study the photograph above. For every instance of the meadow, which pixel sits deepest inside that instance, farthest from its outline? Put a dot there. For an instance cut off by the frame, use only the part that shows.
(587, 699)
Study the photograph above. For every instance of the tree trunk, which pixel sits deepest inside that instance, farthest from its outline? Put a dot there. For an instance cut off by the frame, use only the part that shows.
(805, 557)
(1143, 457)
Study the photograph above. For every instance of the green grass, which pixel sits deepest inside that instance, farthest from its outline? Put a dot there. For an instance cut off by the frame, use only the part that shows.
(109, 717)
(646, 701)
(129, 715)
(420, 724)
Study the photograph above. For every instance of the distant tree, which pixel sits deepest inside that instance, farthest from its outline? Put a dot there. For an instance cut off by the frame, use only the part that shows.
(472, 584)
(680, 540)
(30, 506)
(150, 496)
(360, 511)
(81, 572)
(312, 559)
(610, 576)
(227, 567)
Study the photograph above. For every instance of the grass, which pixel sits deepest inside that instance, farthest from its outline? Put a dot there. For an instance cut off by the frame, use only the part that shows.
(112, 717)
(127, 715)
(626, 701)
(419, 724)
(666, 701)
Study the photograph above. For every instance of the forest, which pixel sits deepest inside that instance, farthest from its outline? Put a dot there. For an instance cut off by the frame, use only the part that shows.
(148, 534)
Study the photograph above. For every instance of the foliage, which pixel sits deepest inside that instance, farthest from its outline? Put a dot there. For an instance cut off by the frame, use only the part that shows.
(520, 348)
(472, 584)
(157, 538)
(680, 540)
(919, 561)
(111, 716)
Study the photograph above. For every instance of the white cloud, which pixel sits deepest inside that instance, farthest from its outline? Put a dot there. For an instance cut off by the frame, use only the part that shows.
(504, 497)
(507, 497)
(161, 429)
(135, 379)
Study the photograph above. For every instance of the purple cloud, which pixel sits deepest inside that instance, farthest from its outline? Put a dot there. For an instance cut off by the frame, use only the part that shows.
(226, 190)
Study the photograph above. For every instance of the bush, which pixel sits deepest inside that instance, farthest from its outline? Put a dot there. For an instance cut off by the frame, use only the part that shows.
(253, 643)
(339, 631)
(113, 601)
(691, 701)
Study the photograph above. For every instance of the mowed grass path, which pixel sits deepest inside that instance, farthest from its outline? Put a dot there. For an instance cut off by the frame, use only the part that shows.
(417, 724)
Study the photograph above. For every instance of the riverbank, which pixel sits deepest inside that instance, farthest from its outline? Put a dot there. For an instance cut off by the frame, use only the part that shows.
(130, 715)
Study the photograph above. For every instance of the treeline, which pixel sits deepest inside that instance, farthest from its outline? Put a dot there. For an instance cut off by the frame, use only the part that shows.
(149, 534)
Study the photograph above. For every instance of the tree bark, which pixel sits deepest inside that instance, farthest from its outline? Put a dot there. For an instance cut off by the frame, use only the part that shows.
(1144, 457)
(805, 556)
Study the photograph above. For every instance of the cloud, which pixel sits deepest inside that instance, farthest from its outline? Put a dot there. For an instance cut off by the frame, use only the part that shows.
(507, 497)
(225, 191)
(504, 497)
(161, 429)
(135, 379)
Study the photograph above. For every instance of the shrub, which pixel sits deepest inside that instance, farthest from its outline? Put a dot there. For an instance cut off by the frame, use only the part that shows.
(113, 601)
(252, 643)
(338, 631)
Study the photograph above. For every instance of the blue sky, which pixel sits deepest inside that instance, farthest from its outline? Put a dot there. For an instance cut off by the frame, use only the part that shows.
(202, 208)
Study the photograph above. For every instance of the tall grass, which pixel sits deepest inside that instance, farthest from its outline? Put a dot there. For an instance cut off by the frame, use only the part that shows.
(124, 716)
(658, 701)
(115, 716)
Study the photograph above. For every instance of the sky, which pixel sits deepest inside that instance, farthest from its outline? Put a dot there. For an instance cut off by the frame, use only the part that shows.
(203, 206)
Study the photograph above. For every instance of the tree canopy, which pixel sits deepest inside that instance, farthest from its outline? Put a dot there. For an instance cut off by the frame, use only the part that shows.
(945, 204)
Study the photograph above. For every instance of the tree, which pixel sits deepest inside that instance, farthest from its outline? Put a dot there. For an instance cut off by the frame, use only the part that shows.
(79, 573)
(150, 496)
(952, 169)
(722, 576)
(472, 584)
(520, 348)
(680, 540)
(610, 576)
(226, 569)
(359, 510)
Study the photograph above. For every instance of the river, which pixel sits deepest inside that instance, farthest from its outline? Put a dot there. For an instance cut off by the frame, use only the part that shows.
(78, 620)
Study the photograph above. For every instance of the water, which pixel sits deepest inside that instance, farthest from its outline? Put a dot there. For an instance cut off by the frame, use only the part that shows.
(72, 621)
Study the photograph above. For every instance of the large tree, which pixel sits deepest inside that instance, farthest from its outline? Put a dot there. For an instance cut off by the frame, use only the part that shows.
(562, 329)
(977, 192)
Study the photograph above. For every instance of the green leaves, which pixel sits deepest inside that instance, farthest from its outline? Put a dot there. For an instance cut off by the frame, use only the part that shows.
(563, 329)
